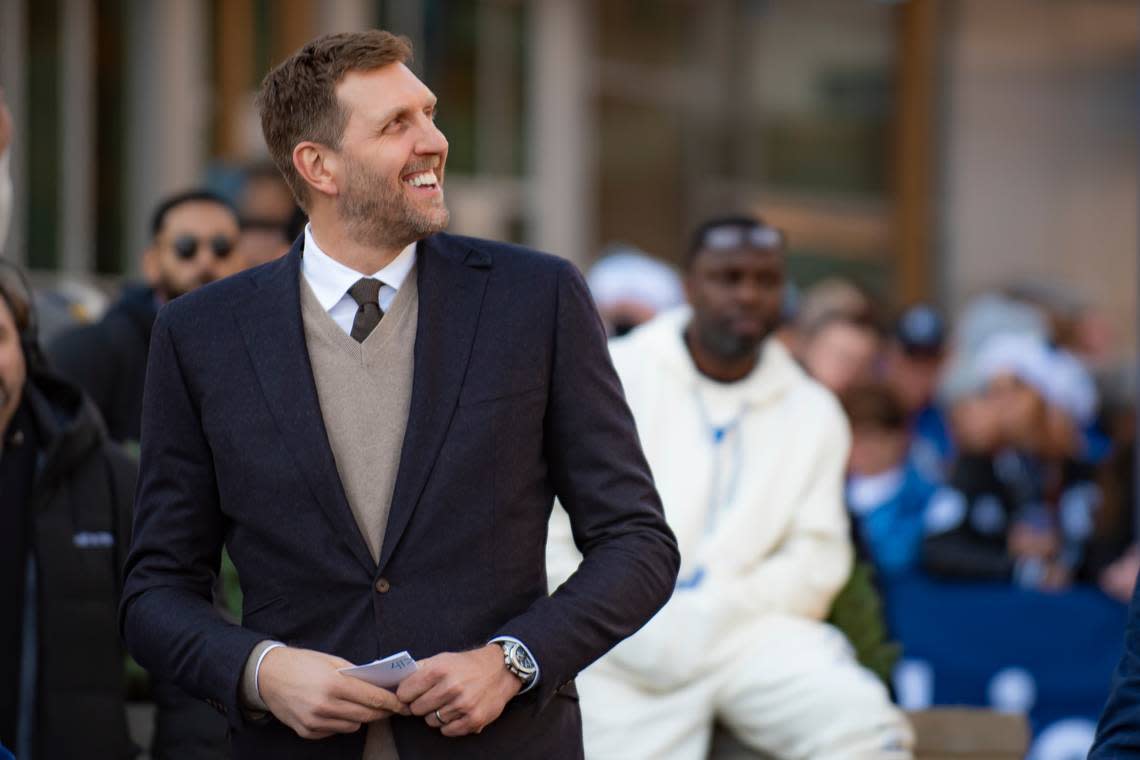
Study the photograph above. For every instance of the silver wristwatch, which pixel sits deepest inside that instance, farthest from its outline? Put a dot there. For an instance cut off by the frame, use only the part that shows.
(517, 660)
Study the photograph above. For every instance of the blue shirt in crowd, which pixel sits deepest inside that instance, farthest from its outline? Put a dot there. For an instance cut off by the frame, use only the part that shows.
(888, 511)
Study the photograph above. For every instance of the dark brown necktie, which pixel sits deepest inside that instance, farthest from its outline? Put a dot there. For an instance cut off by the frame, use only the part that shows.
(366, 293)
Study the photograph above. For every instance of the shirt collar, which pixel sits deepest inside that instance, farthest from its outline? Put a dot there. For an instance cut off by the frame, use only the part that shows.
(330, 279)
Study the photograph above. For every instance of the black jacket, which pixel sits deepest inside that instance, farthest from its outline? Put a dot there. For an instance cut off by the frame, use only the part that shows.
(968, 522)
(514, 400)
(77, 517)
(108, 360)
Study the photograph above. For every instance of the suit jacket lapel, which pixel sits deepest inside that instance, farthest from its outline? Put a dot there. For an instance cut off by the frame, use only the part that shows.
(451, 278)
(271, 324)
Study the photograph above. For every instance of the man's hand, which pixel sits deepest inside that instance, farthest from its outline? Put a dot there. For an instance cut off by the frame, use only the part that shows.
(303, 690)
(469, 689)
(1118, 580)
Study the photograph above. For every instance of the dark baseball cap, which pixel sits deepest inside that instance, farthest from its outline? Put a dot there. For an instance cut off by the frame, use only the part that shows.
(921, 330)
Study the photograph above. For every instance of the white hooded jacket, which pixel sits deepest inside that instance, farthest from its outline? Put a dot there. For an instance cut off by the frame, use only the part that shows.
(759, 515)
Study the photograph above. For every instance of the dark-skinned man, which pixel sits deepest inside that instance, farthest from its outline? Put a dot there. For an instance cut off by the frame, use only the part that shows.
(748, 454)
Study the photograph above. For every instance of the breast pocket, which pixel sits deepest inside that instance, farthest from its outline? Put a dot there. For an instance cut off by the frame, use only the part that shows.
(483, 394)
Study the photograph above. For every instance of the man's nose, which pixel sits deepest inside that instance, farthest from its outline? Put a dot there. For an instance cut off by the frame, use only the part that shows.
(432, 139)
(749, 294)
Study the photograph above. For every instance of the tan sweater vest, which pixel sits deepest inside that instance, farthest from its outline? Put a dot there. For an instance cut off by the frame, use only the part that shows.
(365, 390)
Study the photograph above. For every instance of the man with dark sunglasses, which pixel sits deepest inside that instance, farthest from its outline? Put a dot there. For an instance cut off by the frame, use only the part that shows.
(193, 236)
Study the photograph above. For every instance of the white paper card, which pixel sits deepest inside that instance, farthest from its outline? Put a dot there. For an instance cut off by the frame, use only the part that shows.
(386, 673)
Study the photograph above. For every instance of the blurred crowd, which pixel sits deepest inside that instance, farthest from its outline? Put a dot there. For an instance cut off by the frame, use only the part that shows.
(998, 447)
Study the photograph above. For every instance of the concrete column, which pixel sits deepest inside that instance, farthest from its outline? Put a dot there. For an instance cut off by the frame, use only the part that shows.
(77, 137)
(345, 16)
(406, 17)
(13, 76)
(561, 154)
(496, 104)
(167, 107)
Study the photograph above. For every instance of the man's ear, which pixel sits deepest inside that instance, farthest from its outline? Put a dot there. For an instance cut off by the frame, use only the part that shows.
(318, 166)
(150, 268)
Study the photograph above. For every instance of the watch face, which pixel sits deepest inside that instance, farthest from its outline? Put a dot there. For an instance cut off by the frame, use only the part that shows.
(522, 660)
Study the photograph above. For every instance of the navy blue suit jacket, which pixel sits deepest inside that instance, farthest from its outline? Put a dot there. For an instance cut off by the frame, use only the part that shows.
(514, 401)
(1118, 733)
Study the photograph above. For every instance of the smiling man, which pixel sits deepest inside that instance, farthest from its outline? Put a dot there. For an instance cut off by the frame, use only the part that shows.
(376, 426)
(749, 455)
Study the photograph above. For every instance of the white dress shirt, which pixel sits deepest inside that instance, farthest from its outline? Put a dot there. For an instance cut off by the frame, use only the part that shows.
(330, 280)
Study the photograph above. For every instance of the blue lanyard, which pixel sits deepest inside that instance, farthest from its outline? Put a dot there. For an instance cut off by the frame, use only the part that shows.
(718, 436)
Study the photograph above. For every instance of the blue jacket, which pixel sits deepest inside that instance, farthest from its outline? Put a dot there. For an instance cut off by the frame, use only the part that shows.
(891, 527)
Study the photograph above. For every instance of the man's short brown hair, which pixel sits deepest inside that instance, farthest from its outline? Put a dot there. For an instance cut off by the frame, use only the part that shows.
(298, 98)
(874, 406)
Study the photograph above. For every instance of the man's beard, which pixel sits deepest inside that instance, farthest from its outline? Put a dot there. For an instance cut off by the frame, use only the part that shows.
(168, 288)
(378, 217)
(722, 342)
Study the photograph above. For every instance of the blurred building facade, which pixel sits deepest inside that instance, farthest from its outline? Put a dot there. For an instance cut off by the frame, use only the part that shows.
(928, 148)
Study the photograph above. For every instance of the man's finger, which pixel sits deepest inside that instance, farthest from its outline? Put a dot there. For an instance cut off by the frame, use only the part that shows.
(459, 727)
(415, 685)
(434, 699)
(363, 693)
(331, 726)
(340, 709)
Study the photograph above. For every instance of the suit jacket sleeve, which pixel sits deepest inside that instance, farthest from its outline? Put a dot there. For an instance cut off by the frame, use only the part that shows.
(1118, 733)
(600, 475)
(167, 613)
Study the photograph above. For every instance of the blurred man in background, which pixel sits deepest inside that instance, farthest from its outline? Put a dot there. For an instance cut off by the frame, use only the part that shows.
(1020, 506)
(913, 367)
(748, 454)
(630, 287)
(64, 529)
(193, 238)
(267, 213)
(841, 350)
(194, 235)
(886, 492)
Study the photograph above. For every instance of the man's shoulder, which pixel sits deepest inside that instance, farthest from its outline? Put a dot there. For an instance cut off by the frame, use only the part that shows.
(817, 406)
(213, 303)
(508, 258)
(812, 403)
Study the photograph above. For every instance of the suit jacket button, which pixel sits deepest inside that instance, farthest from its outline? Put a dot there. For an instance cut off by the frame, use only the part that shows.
(382, 585)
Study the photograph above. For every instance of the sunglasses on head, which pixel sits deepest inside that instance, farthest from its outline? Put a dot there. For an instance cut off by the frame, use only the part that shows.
(186, 246)
(738, 236)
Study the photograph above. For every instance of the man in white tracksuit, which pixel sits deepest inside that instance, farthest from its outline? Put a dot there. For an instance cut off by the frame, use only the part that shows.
(748, 454)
